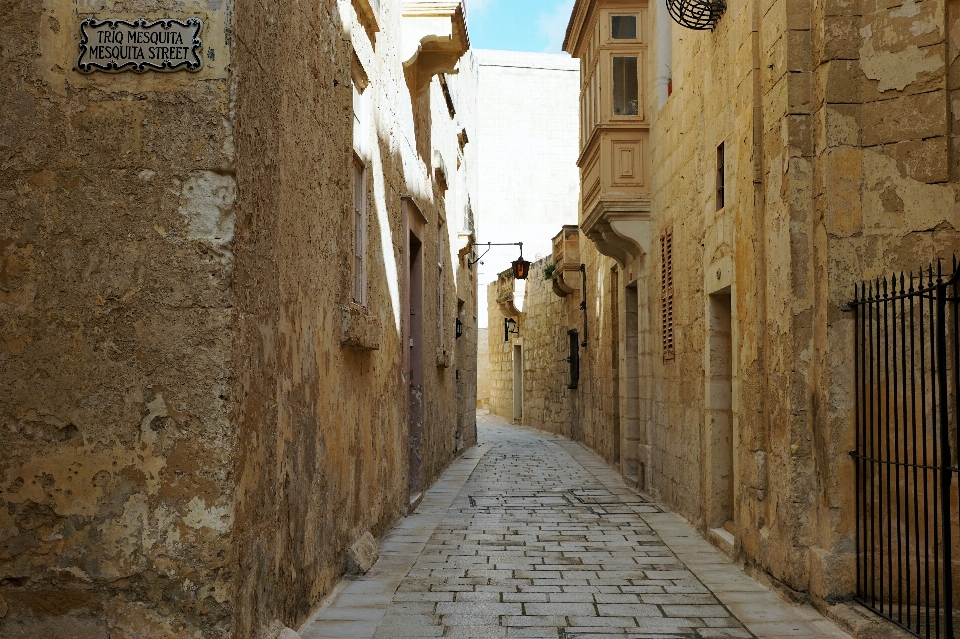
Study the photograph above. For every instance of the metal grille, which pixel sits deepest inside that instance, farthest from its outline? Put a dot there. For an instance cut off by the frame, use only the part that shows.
(907, 368)
(666, 293)
(700, 15)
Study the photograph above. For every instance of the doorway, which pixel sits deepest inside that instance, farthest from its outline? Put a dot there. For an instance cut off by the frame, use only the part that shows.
(615, 365)
(631, 384)
(719, 415)
(518, 383)
(413, 345)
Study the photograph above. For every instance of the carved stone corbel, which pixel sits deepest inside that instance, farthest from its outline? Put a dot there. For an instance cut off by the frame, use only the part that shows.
(505, 294)
(434, 39)
(566, 260)
(619, 229)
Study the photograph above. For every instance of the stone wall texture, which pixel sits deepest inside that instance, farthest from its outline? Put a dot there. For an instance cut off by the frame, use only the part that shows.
(189, 451)
(587, 413)
(823, 110)
(838, 125)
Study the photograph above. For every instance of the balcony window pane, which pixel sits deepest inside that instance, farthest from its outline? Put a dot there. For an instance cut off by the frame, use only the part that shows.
(624, 27)
(626, 96)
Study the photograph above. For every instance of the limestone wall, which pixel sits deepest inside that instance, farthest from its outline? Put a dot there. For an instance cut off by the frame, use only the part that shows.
(190, 447)
(117, 217)
(587, 413)
(836, 124)
(483, 368)
(336, 461)
(548, 403)
(598, 408)
(499, 359)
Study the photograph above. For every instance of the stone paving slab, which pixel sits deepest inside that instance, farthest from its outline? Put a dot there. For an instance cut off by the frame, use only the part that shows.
(531, 535)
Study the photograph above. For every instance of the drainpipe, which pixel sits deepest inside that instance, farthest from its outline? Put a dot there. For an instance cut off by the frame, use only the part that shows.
(583, 302)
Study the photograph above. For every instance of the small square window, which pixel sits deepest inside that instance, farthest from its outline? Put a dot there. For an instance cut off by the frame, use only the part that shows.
(623, 27)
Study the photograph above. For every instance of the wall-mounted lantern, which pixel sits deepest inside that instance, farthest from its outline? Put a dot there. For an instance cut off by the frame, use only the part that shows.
(509, 326)
(521, 267)
(458, 328)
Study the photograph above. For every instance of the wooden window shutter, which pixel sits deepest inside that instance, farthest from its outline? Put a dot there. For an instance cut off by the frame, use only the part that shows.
(666, 293)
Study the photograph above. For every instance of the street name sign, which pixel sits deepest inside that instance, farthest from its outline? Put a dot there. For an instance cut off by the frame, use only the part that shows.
(139, 46)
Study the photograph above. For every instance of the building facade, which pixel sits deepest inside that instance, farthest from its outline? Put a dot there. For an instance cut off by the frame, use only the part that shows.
(553, 365)
(239, 327)
(524, 176)
(737, 181)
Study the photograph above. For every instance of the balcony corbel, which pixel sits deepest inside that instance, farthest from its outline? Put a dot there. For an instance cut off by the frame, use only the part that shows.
(368, 11)
(619, 228)
(566, 261)
(434, 39)
(506, 284)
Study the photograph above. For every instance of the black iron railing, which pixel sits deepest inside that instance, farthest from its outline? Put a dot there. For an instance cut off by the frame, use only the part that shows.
(907, 368)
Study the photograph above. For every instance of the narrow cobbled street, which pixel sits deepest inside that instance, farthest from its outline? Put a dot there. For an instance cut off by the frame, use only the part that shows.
(530, 535)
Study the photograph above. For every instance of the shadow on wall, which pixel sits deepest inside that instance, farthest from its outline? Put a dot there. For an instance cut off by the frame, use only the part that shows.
(320, 461)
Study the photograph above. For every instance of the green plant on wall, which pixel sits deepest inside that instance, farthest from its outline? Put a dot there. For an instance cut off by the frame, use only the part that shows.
(548, 271)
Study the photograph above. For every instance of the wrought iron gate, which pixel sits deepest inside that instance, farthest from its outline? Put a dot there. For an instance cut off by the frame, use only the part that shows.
(907, 368)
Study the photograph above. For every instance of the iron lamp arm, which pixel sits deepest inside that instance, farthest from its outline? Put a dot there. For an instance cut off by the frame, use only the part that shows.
(470, 263)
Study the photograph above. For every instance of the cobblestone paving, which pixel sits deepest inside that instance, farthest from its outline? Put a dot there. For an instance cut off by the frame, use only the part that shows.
(536, 545)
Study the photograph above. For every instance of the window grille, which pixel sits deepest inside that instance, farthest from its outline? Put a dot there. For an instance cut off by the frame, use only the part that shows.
(720, 177)
(666, 293)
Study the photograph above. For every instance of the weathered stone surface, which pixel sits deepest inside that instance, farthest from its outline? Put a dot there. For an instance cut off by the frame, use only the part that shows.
(921, 160)
(188, 448)
(362, 555)
(837, 82)
(278, 630)
(911, 117)
(843, 173)
(838, 133)
(360, 329)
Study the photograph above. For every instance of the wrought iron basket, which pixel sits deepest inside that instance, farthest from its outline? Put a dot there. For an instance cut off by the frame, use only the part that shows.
(701, 15)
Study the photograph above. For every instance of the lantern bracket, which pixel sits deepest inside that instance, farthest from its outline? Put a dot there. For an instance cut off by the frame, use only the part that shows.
(471, 263)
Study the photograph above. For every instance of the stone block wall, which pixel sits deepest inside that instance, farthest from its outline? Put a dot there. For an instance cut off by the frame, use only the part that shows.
(836, 125)
(587, 413)
(498, 354)
(547, 402)
(190, 449)
(117, 264)
(599, 406)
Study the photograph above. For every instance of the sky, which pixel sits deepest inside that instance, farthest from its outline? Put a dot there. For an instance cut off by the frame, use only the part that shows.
(518, 25)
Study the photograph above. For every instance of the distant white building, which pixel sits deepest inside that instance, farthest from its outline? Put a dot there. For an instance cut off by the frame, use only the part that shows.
(525, 169)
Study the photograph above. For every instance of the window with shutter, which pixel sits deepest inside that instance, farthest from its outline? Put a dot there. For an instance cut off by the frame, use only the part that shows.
(666, 293)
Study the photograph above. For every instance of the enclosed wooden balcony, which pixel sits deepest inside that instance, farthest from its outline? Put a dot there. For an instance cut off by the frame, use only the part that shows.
(610, 39)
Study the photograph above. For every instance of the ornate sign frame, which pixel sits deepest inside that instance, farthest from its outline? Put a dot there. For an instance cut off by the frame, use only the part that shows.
(140, 25)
